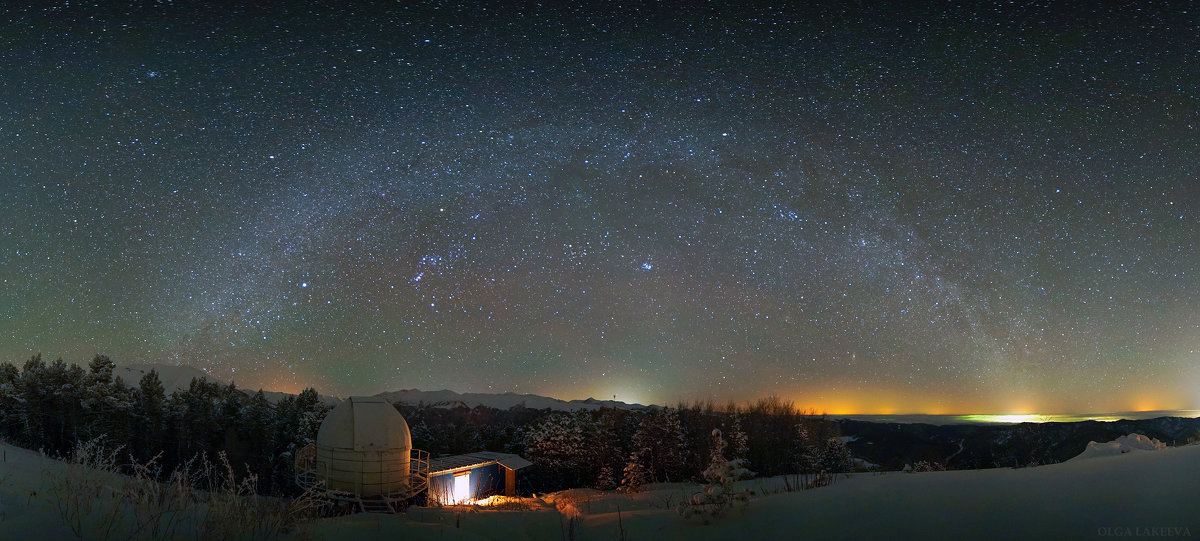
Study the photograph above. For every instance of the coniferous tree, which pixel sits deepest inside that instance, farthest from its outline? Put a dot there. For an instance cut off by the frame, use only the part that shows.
(255, 432)
(287, 421)
(256, 418)
(63, 405)
(557, 444)
(149, 414)
(33, 395)
(194, 415)
(229, 411)
(607, 448)
(10, 403)
(739, 447)
(312, 412)
(719, 492)
(659, 446)
(121, 402)
(634, 476)
(99, 403)
(835, 456)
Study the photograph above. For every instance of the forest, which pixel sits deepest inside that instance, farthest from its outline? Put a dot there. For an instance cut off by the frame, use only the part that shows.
(53, 407)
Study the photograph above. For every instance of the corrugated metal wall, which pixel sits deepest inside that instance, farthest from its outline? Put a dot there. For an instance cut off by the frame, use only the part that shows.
(485, 481)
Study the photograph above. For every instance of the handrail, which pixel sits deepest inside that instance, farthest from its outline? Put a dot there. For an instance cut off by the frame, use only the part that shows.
(418, 482)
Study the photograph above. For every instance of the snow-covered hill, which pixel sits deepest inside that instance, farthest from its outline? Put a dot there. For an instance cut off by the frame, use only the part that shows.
(1146, 494)
(1137, 494)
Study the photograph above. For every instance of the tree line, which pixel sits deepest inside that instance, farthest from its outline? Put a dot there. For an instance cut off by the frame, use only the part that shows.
(610, 448)
(55, 406)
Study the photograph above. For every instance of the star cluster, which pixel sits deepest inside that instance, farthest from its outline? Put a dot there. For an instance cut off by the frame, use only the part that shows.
(870, 208)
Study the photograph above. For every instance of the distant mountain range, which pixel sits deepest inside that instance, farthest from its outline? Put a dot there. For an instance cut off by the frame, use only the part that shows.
(173, 378)
(451, 399)
(179, 378)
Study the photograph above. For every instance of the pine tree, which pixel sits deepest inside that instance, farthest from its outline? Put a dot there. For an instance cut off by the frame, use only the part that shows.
(100, 369)
(260, 452)
(99, 403)
(606, 448)
(312, 412)
(149, 415)
(557, 444)
(120, 402)
(740, 448)
(659, 446)
(835, 457)
(195, 416)
(635, 476)
(33, 398)
(230, 411)
(10, 401)
(805, 456)
(64, 408)
(422, 436)
(256, 420)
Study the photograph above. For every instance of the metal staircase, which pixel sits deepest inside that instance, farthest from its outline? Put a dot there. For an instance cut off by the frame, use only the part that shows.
(376, 505)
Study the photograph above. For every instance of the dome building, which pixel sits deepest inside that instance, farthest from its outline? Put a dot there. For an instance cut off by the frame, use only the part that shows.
(364, 455)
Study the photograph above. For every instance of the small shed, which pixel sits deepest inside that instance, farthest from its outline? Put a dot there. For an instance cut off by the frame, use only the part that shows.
(461, 479)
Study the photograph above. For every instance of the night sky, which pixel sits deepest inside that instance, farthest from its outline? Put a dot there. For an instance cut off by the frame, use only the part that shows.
(862, 207)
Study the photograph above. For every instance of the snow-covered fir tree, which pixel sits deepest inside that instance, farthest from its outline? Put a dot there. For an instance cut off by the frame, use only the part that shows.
(836, 457)
(557, 444)
(805, 456)
(659, 445)
(719, 492)
(739, 449)
(606, 441)
(634, 476)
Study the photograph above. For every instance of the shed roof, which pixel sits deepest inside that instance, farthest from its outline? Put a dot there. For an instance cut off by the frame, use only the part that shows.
(472, 460)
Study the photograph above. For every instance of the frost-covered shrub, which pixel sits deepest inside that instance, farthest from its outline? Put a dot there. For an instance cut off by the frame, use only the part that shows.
(718, 494)
(199, 499)
(925, 466)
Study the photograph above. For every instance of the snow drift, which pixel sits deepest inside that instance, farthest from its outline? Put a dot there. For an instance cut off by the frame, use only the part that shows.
(1121, 445)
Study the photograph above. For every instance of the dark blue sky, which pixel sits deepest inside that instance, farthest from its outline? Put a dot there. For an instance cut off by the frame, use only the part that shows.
(862, 207)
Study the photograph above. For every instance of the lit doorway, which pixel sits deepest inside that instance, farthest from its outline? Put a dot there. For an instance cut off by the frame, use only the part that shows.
(462, 487)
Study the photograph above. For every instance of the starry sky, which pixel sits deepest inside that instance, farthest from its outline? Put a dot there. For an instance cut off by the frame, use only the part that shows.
(859, 206)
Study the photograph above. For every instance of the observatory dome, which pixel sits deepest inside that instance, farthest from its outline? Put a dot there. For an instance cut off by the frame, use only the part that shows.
(363, 447)
(364, 423)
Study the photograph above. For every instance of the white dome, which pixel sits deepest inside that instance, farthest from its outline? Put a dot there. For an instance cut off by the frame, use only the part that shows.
(364, 423)
(363, 448)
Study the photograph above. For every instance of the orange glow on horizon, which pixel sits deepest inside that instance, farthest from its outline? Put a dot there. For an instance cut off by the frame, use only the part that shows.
(1146, 403)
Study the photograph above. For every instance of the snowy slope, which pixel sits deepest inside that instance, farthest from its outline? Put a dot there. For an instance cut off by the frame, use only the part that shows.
(1151, 493)
(1122, 445)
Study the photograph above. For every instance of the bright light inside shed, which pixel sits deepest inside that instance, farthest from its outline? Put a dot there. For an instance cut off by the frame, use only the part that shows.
(462, 488)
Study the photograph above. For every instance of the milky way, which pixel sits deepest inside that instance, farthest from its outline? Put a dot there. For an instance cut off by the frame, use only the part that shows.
(872, 208)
